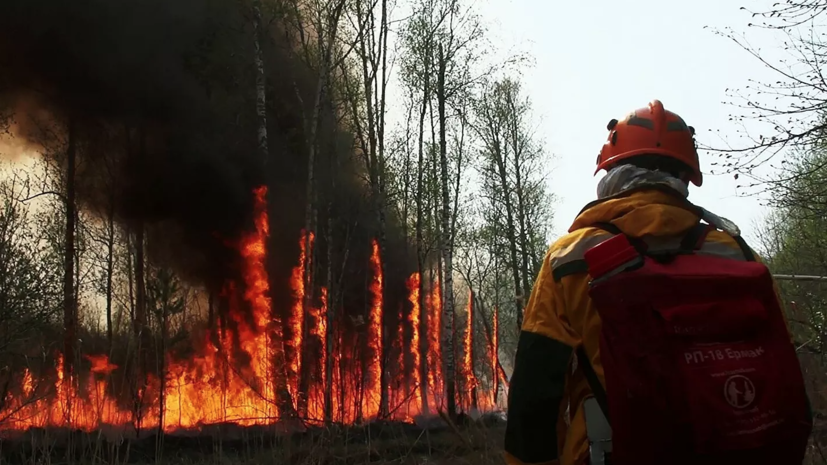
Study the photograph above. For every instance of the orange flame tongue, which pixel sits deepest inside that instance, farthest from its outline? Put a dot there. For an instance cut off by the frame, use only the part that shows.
(297, 282)
(435, 343)
(100, 364)
(374, 387)
(414, 318)
(468, 348)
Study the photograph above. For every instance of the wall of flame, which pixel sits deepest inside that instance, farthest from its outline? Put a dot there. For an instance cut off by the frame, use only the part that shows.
(212, 387)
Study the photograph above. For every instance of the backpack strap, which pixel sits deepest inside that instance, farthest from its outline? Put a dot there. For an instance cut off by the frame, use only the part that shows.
(608, 227)
(691, 242)
(745, 249)
(638, 243)
(594, 382)
(695, 237)
(699, 232)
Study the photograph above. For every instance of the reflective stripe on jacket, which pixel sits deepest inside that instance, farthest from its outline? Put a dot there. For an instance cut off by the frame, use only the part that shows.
(545, 417)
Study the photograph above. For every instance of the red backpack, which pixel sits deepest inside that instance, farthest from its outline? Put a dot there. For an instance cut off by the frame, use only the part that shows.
(698, 362)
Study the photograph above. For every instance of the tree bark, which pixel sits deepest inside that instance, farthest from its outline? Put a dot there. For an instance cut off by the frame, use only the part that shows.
(511, 233)
(384, 407)
(162, 373)
(420, 240)
(447, 245)
(329, 316)
(492, 335)
(110, 268)
(69, 302)
(517, 147)
(327, 44)
(139, 324)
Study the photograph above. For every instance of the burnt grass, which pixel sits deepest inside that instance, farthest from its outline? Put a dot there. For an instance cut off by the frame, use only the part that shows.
(431, 441)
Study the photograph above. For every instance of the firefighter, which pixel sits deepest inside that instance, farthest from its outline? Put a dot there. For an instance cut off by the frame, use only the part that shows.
(650, 158)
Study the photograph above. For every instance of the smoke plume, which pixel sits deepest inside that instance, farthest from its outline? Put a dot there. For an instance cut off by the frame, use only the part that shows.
(161, 97)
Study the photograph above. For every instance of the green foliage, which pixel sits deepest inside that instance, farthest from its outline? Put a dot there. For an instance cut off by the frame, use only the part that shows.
(796, 242)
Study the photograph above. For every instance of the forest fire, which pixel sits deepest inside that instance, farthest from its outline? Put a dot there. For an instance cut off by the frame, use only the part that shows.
(414, 319)
(374, 387)
(256, 369)
(470, 381)
(434, 322)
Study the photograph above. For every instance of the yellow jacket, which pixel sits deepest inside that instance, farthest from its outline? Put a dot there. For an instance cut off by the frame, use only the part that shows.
(546, 424)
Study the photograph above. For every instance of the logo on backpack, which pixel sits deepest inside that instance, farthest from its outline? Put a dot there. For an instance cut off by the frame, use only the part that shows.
(739, 391)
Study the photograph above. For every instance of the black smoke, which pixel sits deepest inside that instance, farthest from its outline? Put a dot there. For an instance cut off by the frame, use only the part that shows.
(161, 96)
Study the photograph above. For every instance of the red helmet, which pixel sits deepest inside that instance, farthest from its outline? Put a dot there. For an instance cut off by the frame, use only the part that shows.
(651, 131)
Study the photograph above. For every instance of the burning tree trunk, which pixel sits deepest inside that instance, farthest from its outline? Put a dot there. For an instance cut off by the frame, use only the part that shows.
(308, 277)
(163, 367)
(420, 224)
(329, 316)
(470, 382)
(493, 335)
(69, 303)
(495, 352)
(326, 39)
(447, 244)
(375, 335)
(415, 318)
(284, 399)
(383, 32)
(139, 325)
(436, 377)
(368, 113)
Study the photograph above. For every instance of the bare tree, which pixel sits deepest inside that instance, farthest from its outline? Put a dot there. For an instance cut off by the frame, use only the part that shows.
(515, 208)
(786, 114)
(417, 64)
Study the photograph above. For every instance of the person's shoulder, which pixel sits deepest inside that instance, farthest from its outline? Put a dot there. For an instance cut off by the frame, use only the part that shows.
(578, 237)
(566, 254)
(726, 245)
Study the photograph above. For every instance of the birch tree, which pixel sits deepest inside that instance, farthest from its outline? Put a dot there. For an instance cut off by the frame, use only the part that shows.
(417, 43)
(513, 193)
(459, 37)
(366, 105)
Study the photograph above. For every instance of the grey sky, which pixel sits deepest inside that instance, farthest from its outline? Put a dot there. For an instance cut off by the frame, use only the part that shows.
(598, 59)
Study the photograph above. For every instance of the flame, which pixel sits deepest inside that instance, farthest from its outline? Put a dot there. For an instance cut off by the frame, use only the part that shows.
(434, 321)
(496, 375)
(245, 370)
(416, 360)
(100, 364)
(296, 320)
(468, 352)
(318, 332)
(374, 388)
(399, 387)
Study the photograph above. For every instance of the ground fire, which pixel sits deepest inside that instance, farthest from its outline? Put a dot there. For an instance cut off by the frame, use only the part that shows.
(214, 386)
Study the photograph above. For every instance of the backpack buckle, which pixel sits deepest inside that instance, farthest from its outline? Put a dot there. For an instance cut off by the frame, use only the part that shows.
(611, 256)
